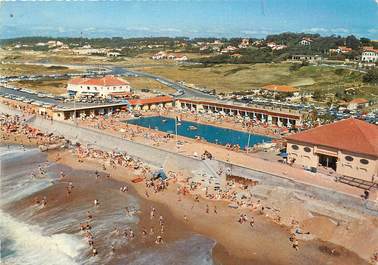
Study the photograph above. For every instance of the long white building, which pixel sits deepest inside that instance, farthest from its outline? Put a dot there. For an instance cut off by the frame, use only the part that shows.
(102, 87)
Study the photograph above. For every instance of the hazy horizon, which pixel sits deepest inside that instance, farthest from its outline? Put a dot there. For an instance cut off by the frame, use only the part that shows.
(239, 18)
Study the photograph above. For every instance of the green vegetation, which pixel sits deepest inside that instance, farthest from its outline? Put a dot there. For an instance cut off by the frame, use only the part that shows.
(29, 69)
(371, 76)
(230, 78)
(55, 87)
(148, 83)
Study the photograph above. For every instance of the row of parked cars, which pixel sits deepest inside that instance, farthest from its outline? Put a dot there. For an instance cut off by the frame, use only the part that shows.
(337, 113)
(28, 100)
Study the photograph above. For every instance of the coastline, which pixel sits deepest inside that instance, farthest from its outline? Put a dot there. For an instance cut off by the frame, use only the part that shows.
(238, 245)
(240, 240)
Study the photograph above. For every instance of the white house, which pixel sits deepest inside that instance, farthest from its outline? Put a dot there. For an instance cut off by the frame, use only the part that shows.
(358, 103)
(305, 41)
(369, 56)
(160, 55)
(102, 87)
(113, 54)
(181, 57)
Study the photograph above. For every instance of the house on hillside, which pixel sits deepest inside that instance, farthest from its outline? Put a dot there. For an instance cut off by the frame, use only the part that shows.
(358, 103)
(278, 89)
(159, 56)
(309, 58)
(369, 55)
(229, 49)
(181, 58)
(244, 44)
(306, 41)
(113, 54)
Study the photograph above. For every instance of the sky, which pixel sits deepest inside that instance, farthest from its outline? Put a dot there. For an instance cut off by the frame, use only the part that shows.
(191, 18)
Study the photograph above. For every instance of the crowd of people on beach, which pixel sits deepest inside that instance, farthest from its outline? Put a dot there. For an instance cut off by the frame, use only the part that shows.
(238, 197)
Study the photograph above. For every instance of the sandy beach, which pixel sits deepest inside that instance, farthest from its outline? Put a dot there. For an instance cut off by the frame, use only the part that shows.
(264, 243)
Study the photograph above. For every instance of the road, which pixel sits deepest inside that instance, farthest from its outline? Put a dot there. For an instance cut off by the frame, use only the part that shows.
(188, 92)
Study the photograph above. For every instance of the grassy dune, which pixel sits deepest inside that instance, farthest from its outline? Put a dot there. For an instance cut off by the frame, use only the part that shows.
(228, 78)
(55, 87)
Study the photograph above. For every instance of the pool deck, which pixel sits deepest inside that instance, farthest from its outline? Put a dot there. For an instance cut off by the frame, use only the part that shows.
(268, 164)
(206, 132)
(225, 122)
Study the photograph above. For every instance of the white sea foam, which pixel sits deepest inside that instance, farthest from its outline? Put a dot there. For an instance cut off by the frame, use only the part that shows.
(16, 166)
(28, 245)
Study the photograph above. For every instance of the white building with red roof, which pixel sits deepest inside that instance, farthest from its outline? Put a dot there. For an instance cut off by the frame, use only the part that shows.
(349, 147)
(98, 86)
(369, 55)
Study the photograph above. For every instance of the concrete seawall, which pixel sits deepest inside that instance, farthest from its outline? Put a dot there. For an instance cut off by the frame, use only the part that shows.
(158, 157)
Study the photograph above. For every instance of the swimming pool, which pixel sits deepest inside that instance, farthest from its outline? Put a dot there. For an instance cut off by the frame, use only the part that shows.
(210, 133)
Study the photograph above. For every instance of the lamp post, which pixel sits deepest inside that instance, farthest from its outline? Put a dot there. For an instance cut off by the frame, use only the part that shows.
(75, 109)
(249, 139)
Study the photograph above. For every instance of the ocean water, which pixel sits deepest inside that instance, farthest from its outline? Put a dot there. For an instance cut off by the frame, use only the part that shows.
(195, 250)
(51, 237)
(23, 243)
(210, 133)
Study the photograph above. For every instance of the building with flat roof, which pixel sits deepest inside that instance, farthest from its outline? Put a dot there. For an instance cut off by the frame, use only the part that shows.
(103, 109)
(97, 87)
(151, 103)
(266, 114)
(350, 147)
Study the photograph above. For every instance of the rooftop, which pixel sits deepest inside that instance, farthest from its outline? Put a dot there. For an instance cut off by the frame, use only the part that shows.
(155, 100)
(359, 101)
(350, 135)
(278, 88)
(108, 80)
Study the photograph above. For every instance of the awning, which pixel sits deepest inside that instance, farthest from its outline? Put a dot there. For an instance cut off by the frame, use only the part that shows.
(160, 174)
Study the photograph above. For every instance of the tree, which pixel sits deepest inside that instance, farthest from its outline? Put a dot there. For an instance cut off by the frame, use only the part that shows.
(371, 76)
(365, 41)
(352, 42)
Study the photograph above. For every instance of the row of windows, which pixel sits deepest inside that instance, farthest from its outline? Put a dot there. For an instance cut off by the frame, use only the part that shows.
(96, 87)
(306, 149)
(362, 160)
(347, 158)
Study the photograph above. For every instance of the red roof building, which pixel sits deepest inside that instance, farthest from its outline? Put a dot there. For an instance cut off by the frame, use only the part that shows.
(349, 146)
(281, 89)
(98, 86)
(351, 135)
(108, 80)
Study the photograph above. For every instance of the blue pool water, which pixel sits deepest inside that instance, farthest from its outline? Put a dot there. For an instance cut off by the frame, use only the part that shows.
(210, 133)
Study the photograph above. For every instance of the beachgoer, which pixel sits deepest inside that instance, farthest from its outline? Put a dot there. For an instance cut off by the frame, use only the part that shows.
(296, 244)
(158, 240)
